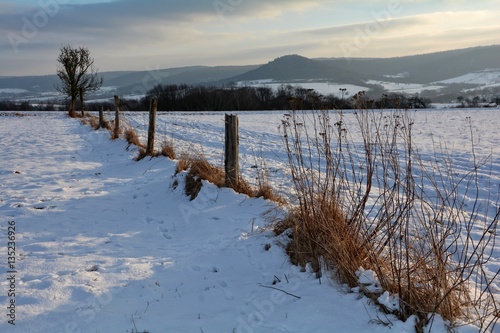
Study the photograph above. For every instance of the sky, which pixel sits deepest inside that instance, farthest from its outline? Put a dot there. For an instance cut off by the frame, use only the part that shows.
(154, 34)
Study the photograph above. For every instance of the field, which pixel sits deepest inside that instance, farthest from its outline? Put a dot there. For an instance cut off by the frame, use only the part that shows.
(107, 244)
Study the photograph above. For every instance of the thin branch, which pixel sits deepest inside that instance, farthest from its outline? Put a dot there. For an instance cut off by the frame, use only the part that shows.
(298, 297)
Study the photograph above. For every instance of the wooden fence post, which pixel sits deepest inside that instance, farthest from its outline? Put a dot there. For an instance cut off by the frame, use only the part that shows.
(152, 125)
(116, 132)
(101, 117)
(231, 151)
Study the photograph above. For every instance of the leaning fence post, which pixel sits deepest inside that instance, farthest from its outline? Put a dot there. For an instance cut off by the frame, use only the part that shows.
(152, 125)
(101, 117)
(231, 150)
(116, 132)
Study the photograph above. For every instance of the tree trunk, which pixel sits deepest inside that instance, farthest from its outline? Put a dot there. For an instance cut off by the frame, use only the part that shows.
(72, 107)
(81, 102)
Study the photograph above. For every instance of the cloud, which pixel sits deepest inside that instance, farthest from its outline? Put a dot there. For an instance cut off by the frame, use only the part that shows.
(407, 35)
(131, 34)
(385, 26)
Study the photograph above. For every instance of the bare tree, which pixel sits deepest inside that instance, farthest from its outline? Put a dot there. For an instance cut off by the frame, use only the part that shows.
(77, 74)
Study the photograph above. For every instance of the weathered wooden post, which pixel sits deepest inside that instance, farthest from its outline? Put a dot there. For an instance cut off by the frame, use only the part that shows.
(152, 125)
(231, 151)
(116, 132)
(101, 117)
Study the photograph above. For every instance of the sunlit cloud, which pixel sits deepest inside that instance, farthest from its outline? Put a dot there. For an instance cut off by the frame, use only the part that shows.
(135, 35)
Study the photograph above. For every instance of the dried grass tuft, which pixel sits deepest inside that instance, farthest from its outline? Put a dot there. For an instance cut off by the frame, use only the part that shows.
(167, 150)
(267, 192)
(91, 120)
(133, 139)
(200, 169)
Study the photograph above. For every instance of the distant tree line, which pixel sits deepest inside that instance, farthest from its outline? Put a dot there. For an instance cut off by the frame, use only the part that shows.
(7, 105)
(212, 98)
(244, 98)
(476, 101)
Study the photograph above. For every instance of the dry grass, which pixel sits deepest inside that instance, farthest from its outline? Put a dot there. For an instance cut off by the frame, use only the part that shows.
(362, 206)
(91, 120)
(132, 138)
(323, 238)
(264, 188)
(167, 150)
(244, 187)
(200, 169)
(267, 192)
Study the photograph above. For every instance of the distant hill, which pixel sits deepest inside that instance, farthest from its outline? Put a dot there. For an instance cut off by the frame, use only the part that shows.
(128, 81)
(200, 75)
(426, 68)
(295, 67)
(411, 74)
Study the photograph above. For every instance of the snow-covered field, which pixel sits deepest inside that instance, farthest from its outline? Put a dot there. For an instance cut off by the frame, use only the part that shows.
(408, 88)
(13, 91)
(107, 244)
(486, 78)
(323, 88)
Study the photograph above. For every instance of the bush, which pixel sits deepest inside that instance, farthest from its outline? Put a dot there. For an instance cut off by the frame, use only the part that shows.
(374, 203)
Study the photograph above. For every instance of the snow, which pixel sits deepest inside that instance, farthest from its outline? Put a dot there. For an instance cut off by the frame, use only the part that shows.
(107, 89)
(13, 91)
(486, 78)
(107, 244)
(408, 88)
(398, 76)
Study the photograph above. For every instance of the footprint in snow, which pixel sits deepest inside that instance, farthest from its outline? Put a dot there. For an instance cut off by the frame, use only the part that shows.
(152, 219)
(165, 233)
(227, 294)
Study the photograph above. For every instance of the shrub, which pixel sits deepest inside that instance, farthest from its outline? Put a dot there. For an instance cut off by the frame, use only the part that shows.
(373, 203)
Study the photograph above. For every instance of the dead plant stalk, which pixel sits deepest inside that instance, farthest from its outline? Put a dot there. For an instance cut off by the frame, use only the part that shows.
(371, 201)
